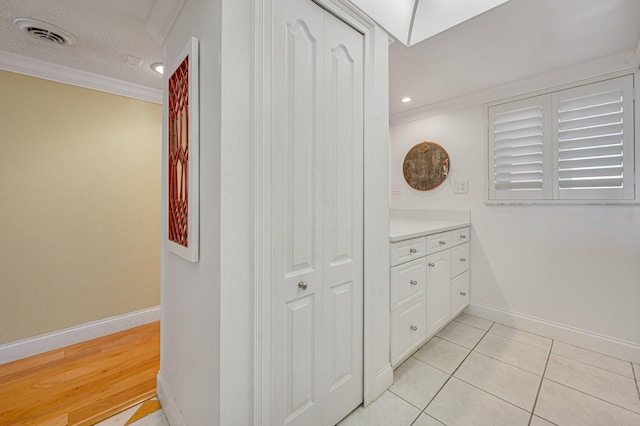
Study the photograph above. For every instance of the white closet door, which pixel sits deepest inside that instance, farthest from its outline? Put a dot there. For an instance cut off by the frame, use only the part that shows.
(343, 219)
(317, 216)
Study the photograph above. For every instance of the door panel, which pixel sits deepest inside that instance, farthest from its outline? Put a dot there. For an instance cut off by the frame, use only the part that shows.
(301, 142)
(438, 290)
(343, 201)
(300, 354)
(296, 222)
(317, 216)
(340, 323)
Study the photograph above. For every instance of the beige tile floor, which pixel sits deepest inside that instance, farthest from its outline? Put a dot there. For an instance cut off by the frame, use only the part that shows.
(148, 413)
(476, 372)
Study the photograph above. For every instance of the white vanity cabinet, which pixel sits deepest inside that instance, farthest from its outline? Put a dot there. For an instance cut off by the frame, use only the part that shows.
(429, 286)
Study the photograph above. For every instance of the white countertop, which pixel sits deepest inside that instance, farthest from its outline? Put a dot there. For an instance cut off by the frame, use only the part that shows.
(404, 228)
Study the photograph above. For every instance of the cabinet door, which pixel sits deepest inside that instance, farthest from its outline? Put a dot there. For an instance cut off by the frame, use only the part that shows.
(459, 236)
(459, 259)
(407, 280)
(438, 290)
(438, 242)
(459, 293)
(408, 330)
(404, 251)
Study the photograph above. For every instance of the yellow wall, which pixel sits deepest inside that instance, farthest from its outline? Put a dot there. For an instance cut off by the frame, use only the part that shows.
(79, 205)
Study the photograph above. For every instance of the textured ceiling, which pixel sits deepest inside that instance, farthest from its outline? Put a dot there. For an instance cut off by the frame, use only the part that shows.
(514, 41)
(517, 40)
(106, 32)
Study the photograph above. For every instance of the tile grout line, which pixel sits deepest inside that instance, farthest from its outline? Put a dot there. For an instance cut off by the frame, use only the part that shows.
(635, 376)
(597, 366)
(594, 397)
(544, 372)
(452, 373)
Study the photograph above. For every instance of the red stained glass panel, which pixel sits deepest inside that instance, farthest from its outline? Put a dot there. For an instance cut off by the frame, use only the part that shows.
(178, 158)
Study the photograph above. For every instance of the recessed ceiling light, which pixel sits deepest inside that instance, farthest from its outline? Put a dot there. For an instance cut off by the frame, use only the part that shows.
(158, 67)
(406, 99)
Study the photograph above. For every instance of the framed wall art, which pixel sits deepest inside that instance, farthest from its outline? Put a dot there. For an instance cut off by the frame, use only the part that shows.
(182, 153)
(426, 166)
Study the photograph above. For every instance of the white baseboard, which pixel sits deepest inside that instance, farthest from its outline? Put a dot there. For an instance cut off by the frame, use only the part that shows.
(384, 379)
(70, 336)
(627, 351)
(167, 402)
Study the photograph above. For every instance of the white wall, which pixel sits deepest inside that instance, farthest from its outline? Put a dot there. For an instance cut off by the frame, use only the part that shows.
(207, 346)
(190, 292)
(551, 269)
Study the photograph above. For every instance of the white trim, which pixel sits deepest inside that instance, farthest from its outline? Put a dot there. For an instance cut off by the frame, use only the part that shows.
(168, 403)
(70, 336)
(61, 74)
(382, 381)
(625, 61)
(262, 242)
(611, 346)
(190, 51)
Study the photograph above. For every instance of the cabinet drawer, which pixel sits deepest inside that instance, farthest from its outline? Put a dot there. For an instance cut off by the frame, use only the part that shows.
(459, 259)
(459, 293)
(437, 242)
(459, 236)
(407, 280)
(408, 329)
(404, 251)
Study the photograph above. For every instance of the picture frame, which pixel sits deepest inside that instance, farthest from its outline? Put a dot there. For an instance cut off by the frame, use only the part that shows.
(183, 146)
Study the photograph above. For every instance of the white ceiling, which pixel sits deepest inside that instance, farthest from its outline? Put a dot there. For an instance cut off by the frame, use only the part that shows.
(516, 40)
(411, 21)
(513, 41)
(106, 32)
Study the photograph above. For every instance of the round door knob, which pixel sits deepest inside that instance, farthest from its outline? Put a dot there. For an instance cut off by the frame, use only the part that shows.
(302, 285)
(442, 242)
(462, 293)
(463, 237)
(432, 264)
(413, 282)
(462, 259)
(413, 250)
(413, 328)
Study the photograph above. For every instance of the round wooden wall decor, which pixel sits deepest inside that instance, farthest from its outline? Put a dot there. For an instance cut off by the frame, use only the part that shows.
(426, 166)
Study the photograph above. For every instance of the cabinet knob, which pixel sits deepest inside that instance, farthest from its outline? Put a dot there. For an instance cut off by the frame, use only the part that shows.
(432, 264)
(463, 237)
(412, 250)
(413, 282)
(302, 285)
(442, 242)
(462, 293)
(462, 259)
(413, 328)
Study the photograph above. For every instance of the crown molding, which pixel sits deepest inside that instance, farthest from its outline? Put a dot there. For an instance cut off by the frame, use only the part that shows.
(48, 71)
(161, 19)
(625, 60)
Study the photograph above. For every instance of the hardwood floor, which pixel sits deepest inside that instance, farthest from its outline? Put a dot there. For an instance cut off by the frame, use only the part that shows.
(84, 383)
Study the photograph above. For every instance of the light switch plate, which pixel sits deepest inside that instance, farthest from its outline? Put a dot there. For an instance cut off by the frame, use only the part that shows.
(461, 186)
(396, 189)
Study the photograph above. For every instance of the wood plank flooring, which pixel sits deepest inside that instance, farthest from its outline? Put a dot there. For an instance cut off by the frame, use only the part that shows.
(84, 383)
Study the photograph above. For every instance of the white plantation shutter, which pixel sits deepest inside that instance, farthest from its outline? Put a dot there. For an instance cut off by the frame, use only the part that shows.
(594, 156)
(517, 131)
(574, 144)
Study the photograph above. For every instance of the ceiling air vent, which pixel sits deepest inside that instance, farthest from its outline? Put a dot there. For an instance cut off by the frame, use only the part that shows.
(44, 31)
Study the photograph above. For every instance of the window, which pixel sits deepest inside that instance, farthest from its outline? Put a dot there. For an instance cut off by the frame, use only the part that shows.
(573, 144)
